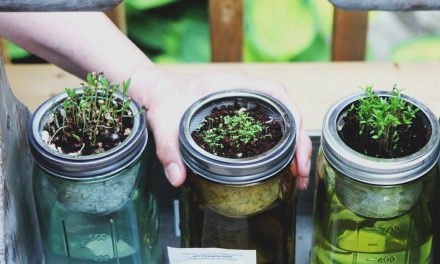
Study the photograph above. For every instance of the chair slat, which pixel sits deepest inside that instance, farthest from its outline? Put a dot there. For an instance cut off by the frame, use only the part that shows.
(349, 35)
(117, 15)
(4, 51)
(226, 23)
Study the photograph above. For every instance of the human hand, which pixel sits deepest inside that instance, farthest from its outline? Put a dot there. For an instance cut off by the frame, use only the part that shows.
(168, 95)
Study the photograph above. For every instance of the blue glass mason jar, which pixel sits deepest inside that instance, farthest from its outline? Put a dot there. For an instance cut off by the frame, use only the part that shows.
(99, 208)
(244, 203)
(375, 210)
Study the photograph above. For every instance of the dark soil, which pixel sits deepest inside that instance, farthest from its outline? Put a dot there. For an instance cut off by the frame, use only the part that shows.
(244, 150)
(65, 140)
(411, 139)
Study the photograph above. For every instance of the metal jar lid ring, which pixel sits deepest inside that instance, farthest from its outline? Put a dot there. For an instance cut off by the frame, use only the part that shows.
(372, 170)
(237, 171)
(91, 166)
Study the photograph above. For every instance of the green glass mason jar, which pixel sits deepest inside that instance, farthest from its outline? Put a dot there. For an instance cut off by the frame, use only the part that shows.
(245, 203)
(370, 210)
(98, 208)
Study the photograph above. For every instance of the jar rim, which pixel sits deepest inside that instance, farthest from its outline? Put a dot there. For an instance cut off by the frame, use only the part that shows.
(244, 170)
(90, 166)
(378, 171)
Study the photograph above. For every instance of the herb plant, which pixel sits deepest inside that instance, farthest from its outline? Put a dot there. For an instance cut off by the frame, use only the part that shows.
(236, 132)
(239, 129)
(381, 117)
(92, 121)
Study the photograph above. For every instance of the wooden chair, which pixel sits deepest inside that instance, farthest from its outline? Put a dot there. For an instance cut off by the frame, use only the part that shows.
(226, 22)
(350, 28)
(349, 35)
(226, 27)
(395, 5)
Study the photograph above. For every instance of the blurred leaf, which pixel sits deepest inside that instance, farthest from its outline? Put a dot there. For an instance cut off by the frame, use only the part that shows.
(249, 53)
(195, 43)
(150, 31)
(181, 39)
(426, 48)
(318, 51)
(16, 52)
(278, 29)
(369, 56)
(192, 44)
(323, 16)
(165, 58)
(146, 4)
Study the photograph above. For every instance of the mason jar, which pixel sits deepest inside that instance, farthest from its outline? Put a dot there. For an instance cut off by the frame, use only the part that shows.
(95, 208)
(374, 210)
(246, 203)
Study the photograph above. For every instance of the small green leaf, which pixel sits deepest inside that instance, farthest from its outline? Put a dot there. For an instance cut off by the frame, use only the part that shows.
(90, 79)
(125, 86)
(102, 80)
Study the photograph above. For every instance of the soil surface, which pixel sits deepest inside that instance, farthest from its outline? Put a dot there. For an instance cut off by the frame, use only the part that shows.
(411, 139)
(73, 139)
(271, 133)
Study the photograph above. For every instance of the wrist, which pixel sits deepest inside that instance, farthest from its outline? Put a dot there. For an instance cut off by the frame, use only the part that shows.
(145, 84)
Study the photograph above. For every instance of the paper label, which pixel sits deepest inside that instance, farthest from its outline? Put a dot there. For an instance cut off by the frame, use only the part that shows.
(211, 256)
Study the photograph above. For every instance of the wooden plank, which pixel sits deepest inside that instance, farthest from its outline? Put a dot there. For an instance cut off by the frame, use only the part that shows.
(349, 35)
(57, 5)
(20, 242)
(314, 87)
(226, 22)
(4, 50)
(388, 5)
(117, 15)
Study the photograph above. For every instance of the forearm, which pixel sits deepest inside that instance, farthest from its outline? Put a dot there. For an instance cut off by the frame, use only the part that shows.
(77, 42)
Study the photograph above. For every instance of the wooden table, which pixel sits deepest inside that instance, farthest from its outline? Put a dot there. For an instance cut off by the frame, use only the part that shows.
(313, 86)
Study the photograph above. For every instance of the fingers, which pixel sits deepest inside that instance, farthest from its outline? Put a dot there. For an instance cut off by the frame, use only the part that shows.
(301, 165)
(167, 150)
(164, 124)
(302, 160)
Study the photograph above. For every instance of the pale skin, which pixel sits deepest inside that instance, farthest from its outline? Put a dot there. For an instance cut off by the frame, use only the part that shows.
(86, 42)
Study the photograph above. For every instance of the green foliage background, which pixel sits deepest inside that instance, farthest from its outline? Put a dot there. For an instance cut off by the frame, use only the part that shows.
(178, 31)
(173, 31)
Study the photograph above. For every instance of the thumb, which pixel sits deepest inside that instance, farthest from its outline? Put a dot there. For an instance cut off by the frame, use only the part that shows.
(167, 150)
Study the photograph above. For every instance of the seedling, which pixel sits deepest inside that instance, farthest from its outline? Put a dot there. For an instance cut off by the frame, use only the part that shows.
(94, 120)
(381, 117)
(234, 130)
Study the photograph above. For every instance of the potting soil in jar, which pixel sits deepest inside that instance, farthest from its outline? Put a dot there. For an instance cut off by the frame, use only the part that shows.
(237, 200)
(370, 210)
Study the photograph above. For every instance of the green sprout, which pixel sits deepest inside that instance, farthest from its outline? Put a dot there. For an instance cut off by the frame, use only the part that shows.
(96, 109)
(381, 117)
(238, 129)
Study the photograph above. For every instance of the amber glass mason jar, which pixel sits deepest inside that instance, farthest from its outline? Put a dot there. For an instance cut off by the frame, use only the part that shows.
(246, 203)
(99, 208)
(374, 210)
